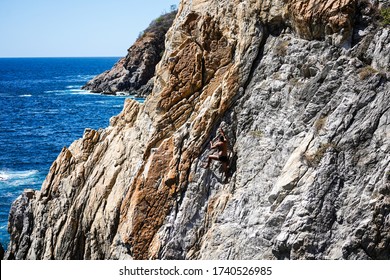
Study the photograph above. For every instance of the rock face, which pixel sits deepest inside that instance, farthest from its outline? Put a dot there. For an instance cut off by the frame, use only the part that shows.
(302, 90)
(133, 74)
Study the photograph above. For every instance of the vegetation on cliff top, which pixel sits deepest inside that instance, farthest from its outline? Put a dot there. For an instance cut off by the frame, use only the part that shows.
(385, 15)
(160, 24)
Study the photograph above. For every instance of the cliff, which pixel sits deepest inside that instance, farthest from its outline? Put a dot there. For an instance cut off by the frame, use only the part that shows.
(302, 91)
(133, 74)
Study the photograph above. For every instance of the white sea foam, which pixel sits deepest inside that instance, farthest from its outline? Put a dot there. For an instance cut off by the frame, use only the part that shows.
(6, 175)
(25, 95)
(85, 77)
(69, 90)
(73, 86)
(78, 78)
(80, 91)
(58, 92)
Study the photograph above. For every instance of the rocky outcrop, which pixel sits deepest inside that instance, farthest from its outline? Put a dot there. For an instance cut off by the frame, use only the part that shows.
(304, 102)
(20, 224)
(134, 73)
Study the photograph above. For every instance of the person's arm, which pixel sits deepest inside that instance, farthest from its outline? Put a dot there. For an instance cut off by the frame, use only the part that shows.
(222, 133)
(215, 145)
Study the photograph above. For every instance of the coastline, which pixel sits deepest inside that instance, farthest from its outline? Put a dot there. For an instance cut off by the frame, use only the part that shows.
(46, 98)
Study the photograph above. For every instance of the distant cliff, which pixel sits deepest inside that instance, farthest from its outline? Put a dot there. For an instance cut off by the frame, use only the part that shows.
(133, 74)
(302, 90)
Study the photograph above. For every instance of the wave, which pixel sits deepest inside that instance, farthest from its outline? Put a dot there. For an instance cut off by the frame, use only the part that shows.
(25, 95)
(78, 78)
(84, 77)
(80, 91)
(76, 90)
(73, 87)
(7, 175)
(52, 91)
(68, 90)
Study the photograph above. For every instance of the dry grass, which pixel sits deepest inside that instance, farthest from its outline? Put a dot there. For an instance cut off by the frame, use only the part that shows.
(366, 72)
(315, 159)
(281, 48)
(320, 123)
(256, 133)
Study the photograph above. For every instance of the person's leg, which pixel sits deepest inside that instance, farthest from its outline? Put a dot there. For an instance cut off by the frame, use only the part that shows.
(225, 168)
(211, 157)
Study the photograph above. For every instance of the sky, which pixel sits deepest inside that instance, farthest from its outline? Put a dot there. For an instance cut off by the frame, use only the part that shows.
(74, 28)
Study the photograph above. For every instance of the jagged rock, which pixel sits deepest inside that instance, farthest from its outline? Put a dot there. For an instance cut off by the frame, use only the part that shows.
(381, 52)
(20, 225)
(306, 112)
(133, 74)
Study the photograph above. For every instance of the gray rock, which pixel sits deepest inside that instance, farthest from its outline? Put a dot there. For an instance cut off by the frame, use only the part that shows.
(20, 226)
(308, 124)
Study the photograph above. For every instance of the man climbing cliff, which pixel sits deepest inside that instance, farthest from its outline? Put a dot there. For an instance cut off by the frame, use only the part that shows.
(222, 145)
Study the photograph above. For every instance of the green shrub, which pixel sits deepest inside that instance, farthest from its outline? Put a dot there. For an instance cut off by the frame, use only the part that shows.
(160, 24)
(385, 16)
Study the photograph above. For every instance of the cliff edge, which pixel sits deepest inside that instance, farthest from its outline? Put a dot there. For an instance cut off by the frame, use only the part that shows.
(302, 91)
(134, 73)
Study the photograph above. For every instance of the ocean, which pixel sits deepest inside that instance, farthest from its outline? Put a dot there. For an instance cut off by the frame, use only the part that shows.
(43, 109)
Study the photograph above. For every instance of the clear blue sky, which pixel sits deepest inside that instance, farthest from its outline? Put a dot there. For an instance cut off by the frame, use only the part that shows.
(52, 28)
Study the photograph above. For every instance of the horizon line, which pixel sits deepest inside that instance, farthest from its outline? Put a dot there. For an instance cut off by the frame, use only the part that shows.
(107, 56)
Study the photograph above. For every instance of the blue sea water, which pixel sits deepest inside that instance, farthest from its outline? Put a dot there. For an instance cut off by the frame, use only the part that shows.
(42, 109)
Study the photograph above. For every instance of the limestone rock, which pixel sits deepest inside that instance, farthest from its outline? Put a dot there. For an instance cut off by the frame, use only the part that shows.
(305, 106)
